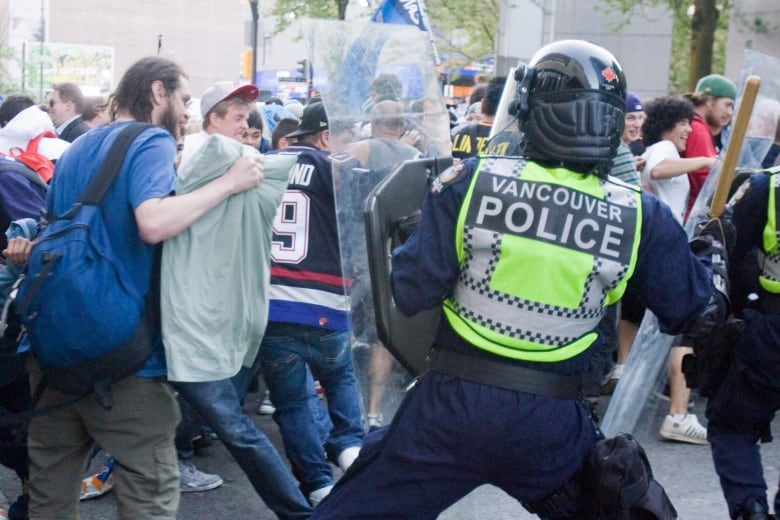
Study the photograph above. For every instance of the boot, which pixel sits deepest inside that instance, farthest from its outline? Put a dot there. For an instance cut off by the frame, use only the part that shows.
(754, 511)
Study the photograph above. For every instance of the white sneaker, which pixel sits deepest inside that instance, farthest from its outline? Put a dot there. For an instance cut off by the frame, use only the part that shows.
(347, 457)
(686, 430)
(318, 495)
(374, 421)
(266, 407)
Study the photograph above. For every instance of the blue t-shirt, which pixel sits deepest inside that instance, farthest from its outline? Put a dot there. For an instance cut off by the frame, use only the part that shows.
(147, 173)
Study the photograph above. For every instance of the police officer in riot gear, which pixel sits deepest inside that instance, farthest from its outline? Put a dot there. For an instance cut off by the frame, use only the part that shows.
(746, 392)
(522, 254)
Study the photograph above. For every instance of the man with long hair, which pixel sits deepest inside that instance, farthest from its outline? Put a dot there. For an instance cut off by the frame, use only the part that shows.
(138, 430)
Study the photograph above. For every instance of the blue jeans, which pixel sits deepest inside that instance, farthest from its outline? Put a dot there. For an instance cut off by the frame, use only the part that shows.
(243, 379)
(286, 351)
(218, 404)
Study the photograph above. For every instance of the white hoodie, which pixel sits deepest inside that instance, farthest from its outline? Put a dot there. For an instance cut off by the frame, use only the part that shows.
(26, 125)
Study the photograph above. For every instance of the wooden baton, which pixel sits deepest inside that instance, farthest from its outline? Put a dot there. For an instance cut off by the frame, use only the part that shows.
(734, 147)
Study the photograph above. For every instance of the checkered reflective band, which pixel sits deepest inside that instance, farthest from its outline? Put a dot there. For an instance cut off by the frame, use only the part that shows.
(542, 253)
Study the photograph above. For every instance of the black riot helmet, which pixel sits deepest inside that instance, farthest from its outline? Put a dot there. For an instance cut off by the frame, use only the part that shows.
(571, 105)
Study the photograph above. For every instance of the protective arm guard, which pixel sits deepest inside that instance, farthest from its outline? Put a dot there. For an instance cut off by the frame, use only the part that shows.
(716, 312)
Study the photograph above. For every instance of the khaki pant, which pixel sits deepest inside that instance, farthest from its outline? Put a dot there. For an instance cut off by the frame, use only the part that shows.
(138, 432)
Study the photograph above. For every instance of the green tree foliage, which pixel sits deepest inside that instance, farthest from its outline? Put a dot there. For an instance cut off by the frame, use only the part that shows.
(9, 57)
(7, 83)
(327, 9)
(460, 27)
(698, 37)
(465, 28)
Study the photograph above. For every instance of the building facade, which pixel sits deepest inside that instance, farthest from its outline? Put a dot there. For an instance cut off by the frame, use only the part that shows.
(101, 38)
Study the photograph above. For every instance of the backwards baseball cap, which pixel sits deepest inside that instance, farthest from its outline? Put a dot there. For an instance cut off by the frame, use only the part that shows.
(314, 119)
(633, 103)
(222, 90)
(717, 86)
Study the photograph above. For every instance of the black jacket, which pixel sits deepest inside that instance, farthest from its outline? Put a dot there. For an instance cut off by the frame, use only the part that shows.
(74, 129)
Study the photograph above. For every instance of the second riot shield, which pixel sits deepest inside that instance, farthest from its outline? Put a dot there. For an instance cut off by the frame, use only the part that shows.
(384, 107)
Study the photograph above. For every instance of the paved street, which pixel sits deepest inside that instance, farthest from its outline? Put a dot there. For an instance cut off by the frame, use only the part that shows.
(684, 469)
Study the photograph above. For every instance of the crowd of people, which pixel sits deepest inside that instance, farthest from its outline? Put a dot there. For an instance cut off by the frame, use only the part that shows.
(543, 245)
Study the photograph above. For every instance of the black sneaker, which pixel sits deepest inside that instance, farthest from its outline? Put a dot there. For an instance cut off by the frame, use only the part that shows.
(18, 510)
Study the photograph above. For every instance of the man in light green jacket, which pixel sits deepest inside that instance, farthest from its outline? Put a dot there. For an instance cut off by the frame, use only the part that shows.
(214, 284)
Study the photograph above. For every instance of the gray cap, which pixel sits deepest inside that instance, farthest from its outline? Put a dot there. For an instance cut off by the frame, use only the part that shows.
(223, 90)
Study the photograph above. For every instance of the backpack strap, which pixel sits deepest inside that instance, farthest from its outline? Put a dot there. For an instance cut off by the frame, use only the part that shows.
(93, 194)
(112, 164)
(13, 165)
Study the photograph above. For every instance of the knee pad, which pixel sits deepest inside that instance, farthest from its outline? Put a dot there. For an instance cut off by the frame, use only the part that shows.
(622, 482)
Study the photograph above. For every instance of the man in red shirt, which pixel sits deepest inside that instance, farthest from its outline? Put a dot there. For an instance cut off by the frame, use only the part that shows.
(714, 105)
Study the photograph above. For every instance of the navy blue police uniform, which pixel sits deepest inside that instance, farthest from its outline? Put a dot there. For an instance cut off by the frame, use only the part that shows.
(453, 434)
(522, 255)
(741, 410)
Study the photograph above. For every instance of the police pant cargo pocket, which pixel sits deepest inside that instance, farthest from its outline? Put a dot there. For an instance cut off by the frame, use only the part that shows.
(564, 504)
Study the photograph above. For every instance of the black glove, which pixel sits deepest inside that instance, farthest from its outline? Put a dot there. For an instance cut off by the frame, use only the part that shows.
(706, 369)
(404, 227)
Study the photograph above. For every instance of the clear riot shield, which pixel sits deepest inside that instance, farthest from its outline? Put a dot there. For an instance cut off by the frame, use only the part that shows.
(357, 64)
(505, 136)
(644, 375)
